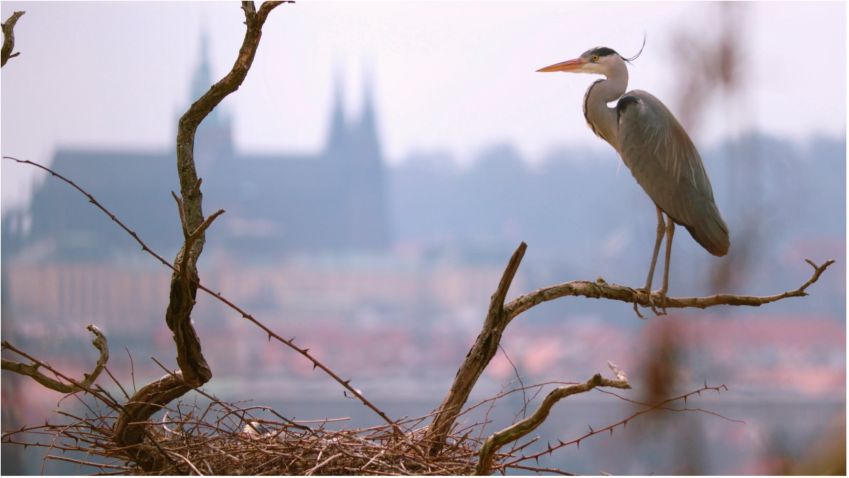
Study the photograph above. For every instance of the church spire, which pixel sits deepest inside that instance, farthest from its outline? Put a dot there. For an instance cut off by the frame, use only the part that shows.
(366, 127)
(214, 140)
(202, 77)
(337, 134)
(367, 119)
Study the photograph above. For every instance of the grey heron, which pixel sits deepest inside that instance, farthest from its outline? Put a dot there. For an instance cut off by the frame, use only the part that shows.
(658, 152)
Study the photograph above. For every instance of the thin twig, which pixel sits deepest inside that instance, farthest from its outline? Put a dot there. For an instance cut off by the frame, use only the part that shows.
(32, 369)
(523, 427)
(609, 428)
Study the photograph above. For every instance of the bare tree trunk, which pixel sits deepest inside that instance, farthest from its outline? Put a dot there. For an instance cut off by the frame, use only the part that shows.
(194, 371)
(479, 356)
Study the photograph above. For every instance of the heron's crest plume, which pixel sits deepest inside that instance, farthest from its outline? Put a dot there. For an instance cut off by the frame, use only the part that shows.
(603, 51)
(629, 60)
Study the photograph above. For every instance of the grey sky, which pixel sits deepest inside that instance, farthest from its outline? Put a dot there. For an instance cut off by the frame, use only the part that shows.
(453, 76)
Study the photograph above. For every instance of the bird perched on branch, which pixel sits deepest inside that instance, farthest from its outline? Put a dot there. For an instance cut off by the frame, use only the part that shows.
(657, 150)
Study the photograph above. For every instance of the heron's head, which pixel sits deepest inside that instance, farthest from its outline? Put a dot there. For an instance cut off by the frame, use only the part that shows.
(600, 60)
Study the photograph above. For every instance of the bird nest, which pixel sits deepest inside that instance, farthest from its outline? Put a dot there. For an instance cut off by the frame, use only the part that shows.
(345, 452)
(294, 451)
(223, 439)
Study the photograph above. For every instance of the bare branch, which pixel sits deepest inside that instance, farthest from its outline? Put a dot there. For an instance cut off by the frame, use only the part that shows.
(130, 426)
(602, 290)
(32, 369)
(479, 356)
(93, 201)
(9, 38)
(194, 371)
(663, 405)
(500, 315)
(529, 424)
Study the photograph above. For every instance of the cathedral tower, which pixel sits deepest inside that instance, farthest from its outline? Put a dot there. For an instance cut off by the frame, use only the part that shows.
(214, 139)
(353, 152)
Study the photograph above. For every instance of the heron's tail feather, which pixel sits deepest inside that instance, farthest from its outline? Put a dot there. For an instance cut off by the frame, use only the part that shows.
(711, 232)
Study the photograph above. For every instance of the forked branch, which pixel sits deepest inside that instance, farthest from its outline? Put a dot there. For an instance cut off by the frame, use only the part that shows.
(194, 371)
(478, 357)
(500, 315)
(608, 429)
(33, 369)
(521, 428)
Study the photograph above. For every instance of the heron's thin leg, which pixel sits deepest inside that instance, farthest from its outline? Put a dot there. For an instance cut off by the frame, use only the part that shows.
(661, 227)
(670, 231)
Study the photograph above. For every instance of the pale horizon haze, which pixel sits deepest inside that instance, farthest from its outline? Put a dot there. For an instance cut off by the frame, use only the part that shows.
(446, 76)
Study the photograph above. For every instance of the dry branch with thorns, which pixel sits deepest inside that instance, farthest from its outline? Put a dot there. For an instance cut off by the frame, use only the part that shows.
(32, 369)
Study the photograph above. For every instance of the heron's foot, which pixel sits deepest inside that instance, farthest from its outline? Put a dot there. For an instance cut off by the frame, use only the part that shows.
(656, 299)
(637, 311)
(642, 290)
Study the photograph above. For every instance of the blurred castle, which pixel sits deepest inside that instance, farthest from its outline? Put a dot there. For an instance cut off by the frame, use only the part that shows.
(331, 201)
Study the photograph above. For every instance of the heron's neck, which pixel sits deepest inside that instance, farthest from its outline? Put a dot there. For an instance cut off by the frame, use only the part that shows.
(600, 117)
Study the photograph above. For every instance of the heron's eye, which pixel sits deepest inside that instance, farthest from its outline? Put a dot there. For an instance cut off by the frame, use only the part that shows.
(594, 59)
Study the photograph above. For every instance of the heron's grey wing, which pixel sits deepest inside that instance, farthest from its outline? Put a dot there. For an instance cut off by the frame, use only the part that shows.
(667, 165)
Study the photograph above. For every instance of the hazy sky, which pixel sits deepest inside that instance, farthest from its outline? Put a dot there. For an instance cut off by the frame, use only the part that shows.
(451, 76)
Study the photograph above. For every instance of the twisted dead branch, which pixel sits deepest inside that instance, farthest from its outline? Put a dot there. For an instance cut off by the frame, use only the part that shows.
(529, 424)
(478, 357)
(9, 38)
(194, 371)
(662, 405)
(32, 369)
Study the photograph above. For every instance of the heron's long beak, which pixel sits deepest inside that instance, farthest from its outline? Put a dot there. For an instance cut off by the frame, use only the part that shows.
(570, 65)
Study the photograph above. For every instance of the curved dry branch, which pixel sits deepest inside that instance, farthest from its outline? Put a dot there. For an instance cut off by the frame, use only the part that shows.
(9, 38)
(602, 290)
(521, 428)
(130, 427)
(32, 369)
(194, 371)
(499, 316)
(184, 280)
(478, 357)
(662, 405)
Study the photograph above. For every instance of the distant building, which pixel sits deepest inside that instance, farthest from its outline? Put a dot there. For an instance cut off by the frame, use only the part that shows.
(330, 201)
